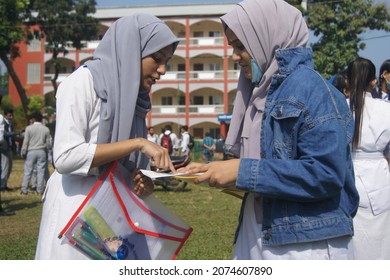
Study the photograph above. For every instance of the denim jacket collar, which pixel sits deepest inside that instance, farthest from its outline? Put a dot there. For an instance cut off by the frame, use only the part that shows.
(289, 59)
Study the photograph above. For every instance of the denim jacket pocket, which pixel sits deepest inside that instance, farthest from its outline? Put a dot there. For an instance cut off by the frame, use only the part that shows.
(285, 121)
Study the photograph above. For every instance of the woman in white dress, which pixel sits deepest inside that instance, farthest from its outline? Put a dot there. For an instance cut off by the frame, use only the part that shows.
(101, 110)
(372, 176)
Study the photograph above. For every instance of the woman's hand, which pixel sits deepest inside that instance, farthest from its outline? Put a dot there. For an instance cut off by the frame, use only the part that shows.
(221, 174)
(143, 186)
(108, 152)
(157, 154)
(193, 167)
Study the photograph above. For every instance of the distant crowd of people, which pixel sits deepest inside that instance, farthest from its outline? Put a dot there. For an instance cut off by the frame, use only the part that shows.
(33, 144)
(183, 145)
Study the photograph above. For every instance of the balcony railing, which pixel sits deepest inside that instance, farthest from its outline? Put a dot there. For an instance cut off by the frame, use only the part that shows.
(206, 41)
(181, 109)
(172, 75)
(47, 77)
(200, 75)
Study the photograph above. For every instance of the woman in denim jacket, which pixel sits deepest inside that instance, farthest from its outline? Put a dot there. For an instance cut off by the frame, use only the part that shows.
(292, 132)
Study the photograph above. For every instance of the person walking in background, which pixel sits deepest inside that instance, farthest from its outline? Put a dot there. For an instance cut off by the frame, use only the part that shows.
(152, 136)
(34, 176)
(291, 130)
(370, 154)
(382, 90)
(2, 139)
(170, 141)
(208, 147)
(108, 99)
(35, 148)
(185, 140)
(7, 149)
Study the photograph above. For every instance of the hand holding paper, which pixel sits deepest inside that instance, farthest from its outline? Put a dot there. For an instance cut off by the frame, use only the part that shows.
(220, 174)
(154, 175)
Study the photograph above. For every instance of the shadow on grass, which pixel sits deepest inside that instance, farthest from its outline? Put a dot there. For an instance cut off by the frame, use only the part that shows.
(17, 204)
(161, 189)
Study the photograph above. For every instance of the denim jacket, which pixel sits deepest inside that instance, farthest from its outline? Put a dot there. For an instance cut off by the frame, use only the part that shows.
(305, 174)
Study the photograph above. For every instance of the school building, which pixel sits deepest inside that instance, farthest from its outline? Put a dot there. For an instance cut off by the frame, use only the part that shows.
(199, 87)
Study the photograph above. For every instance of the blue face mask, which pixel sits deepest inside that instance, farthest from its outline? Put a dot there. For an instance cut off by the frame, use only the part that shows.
(257, 74)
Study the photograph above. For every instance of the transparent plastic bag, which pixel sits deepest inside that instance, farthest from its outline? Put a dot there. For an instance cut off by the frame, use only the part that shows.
(114, 223)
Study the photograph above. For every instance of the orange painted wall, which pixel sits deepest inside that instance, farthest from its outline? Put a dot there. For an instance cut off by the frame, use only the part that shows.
(21, 70)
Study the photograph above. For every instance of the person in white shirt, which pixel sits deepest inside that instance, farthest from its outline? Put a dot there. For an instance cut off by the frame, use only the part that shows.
(185, 140)
(371, 141)
(152, 136)
(101, 112)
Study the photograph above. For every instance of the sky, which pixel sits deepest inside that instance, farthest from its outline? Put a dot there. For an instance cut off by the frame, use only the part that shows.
(377, 42)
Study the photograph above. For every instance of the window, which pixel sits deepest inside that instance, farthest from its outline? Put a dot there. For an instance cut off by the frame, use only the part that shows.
(34, 45)
(198, 100)
(214, 34)
(198, 67)
(214, 66)
(181, 34)
(181, 100)
(181, 67)
(198, 34)
(215, 100)
(166, 100)
(33, 73)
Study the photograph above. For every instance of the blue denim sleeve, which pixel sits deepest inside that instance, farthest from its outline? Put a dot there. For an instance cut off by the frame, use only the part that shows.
(317, 172)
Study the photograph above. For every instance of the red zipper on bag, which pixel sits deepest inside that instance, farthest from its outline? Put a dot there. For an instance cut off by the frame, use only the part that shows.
(95, 187)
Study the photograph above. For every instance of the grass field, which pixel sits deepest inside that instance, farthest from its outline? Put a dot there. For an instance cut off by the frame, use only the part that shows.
(212, 215)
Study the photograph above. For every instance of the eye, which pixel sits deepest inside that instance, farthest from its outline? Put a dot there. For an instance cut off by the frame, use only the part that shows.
(157, 58)
(239, 47)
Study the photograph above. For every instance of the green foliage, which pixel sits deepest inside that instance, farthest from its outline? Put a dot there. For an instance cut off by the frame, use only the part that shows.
(12, 14)
(19, 120)
(339, 25)
(64, 21)
(4, 82)
(35, 103)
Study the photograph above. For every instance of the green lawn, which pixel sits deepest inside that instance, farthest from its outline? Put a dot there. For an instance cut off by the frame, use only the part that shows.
(212, 215)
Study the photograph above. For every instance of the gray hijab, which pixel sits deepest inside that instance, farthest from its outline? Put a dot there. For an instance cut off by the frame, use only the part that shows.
(262, 26)
(116, 72)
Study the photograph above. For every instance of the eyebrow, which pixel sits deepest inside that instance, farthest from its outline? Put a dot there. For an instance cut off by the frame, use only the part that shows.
(233, 41)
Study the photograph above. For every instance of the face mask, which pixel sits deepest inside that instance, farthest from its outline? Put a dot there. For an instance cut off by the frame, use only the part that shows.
(257, 74)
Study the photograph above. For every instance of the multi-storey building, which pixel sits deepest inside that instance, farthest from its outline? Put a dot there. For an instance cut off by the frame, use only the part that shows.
(199, 87)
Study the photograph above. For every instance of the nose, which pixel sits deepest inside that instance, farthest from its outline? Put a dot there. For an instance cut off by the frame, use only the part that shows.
(162, 69)
(235, 56)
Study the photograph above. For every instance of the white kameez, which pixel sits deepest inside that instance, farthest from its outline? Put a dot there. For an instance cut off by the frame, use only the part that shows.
(372, 222)
(250, 247)
(74, 147)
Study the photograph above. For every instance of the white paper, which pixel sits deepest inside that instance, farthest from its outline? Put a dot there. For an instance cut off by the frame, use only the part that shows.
(153, 174)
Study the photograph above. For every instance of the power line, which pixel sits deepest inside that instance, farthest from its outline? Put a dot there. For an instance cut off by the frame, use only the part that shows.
(376, 37)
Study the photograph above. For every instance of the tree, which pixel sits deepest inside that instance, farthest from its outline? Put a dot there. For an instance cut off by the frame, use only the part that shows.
(12, 31)
(339, 24)
(65, 23)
